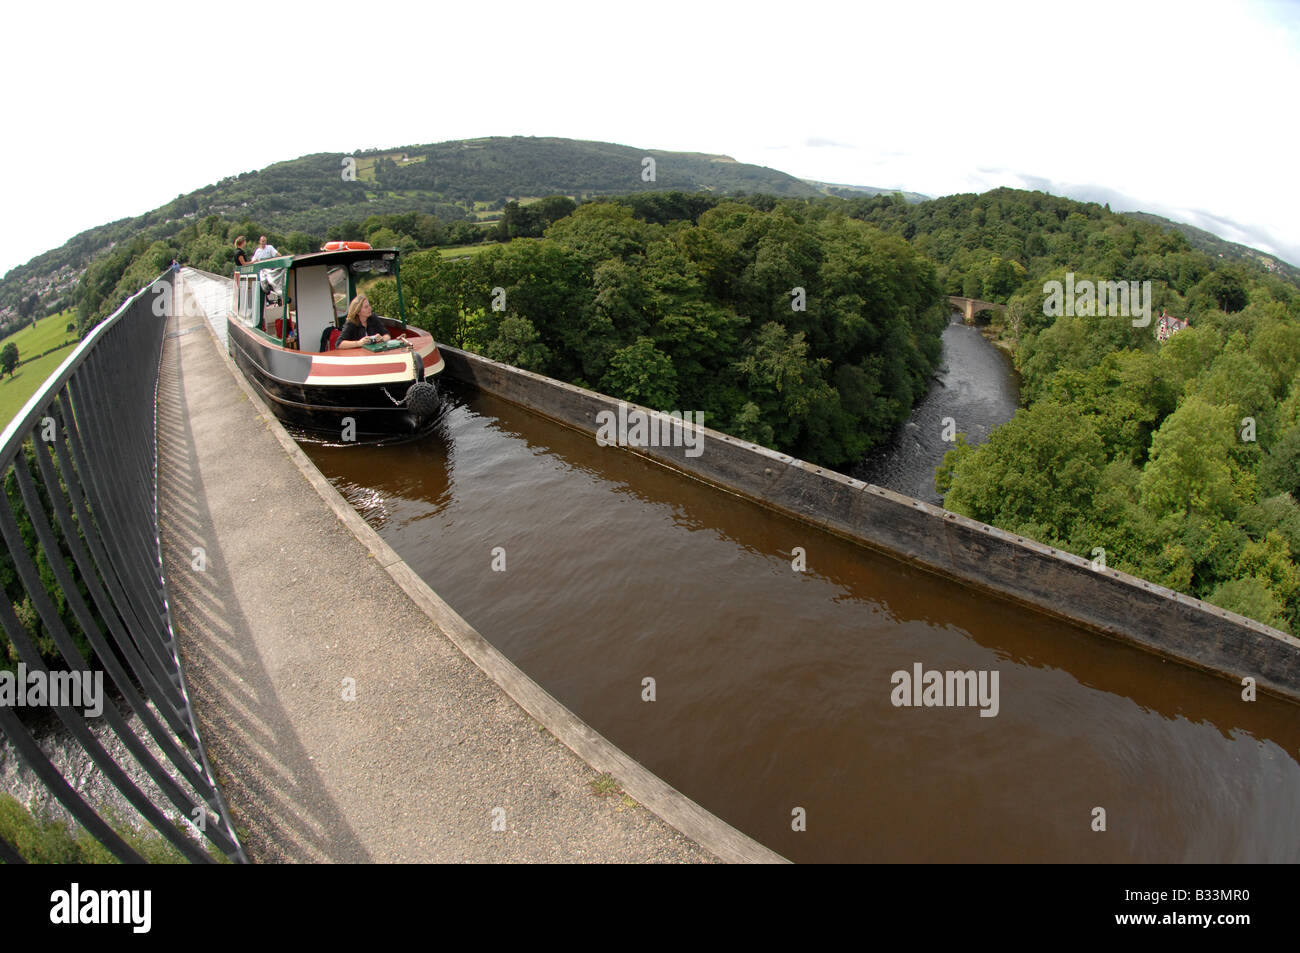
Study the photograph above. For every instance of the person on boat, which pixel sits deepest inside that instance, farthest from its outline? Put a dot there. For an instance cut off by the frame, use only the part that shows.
(361, 327)
(241, 256)
(264, 250)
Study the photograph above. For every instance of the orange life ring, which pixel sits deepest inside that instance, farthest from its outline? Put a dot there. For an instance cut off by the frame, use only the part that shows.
(345, 246)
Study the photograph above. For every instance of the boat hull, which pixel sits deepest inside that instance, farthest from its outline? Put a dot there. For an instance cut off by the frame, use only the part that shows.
(338, 393)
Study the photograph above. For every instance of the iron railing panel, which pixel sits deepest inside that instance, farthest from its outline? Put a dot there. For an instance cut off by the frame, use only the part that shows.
(79, 530)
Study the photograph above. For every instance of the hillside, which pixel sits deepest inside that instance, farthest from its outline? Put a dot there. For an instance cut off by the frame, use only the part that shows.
(843, 191)
(457, 181)
(996, 244)
(1212, 244)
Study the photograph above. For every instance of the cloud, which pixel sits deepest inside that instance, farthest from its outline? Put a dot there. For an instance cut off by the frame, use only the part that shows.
(819, 142)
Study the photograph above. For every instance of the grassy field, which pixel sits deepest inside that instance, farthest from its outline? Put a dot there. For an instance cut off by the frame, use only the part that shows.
(461, 251)
(366, 166)
(14, 391)
(49, 332)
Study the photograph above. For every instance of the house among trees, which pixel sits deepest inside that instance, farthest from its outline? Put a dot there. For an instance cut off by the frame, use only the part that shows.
(1168, 326)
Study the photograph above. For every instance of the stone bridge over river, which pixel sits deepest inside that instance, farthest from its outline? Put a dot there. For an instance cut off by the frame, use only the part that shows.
(969, 307)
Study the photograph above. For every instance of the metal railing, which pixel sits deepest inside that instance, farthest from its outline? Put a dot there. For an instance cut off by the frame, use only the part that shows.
(82, 590)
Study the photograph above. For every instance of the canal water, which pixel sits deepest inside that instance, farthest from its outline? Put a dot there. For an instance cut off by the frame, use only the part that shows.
(595, 570)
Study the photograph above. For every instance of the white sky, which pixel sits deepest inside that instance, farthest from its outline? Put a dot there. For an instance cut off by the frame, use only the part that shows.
(1186, 109)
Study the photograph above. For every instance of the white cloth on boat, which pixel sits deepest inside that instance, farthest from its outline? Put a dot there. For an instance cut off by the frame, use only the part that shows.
(272, 280)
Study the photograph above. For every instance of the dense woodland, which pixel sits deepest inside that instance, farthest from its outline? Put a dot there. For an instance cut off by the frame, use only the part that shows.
(1181, 460)
(1178, 462)
(812, 334)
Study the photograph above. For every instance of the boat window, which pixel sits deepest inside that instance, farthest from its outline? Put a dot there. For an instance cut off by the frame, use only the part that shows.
(373, 266)
(339, 291)
(246, 303)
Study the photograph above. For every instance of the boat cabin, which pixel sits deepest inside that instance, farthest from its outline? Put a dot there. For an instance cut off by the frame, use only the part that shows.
(294, 301)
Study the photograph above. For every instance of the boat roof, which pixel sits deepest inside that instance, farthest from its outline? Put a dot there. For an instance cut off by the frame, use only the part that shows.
(341, 257)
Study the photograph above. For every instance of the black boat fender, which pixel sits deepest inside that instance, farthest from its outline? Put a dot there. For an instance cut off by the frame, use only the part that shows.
(421, 399)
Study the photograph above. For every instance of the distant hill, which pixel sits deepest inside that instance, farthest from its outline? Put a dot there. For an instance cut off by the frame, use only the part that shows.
(850, 191)
(485, 170)
(461, 180)
(1212, 244)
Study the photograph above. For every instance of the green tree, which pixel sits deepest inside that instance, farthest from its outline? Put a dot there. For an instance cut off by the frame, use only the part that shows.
(1192, 467)
(1188, 353)
(602, 233)
(1224, 289)
(300, 243)
(1270, 561)
(385, 237)
(1036, 475)
(521, 221)
(1280, 513)
(1253, 599)
(1279, 471)
(952, 460)
(1000, 278)
(642, 374)
(9, 358)
(1276, 347)
(1235, 380)
(518, 344)
(748, 425)
(805, 413)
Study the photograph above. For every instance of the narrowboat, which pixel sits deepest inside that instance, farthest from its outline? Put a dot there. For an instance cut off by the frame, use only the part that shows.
(286, 316)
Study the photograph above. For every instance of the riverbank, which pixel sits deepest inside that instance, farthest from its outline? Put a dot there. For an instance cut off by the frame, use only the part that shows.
(994, 335)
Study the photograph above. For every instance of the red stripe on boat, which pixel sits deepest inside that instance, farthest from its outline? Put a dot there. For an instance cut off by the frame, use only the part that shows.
(357, 369)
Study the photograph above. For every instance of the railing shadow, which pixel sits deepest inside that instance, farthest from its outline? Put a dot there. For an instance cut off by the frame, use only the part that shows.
(283, 811)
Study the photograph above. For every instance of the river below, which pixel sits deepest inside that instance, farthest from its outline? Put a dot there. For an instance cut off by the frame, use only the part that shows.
(975, 390)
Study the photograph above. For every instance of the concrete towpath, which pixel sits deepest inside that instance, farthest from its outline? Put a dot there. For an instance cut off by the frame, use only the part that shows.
(281, 613)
